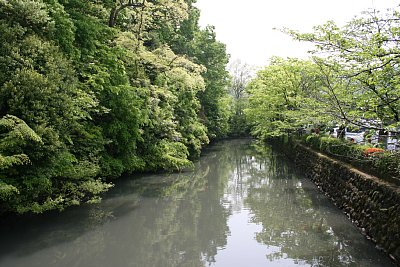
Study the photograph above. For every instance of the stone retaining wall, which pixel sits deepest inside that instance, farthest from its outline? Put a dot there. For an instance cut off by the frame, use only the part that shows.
(372, 204)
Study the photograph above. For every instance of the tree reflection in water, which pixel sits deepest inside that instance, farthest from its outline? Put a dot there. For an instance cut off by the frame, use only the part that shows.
(153, 220)
(294, 218)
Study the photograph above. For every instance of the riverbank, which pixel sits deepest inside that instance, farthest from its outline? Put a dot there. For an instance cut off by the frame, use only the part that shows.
(371, 203)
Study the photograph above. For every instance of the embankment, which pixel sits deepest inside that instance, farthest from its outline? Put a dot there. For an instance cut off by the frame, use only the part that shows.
(372, 204)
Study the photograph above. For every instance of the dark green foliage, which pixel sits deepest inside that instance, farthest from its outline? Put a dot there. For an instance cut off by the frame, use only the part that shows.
(238, 126)
(335, 146)
(81, 101)
(212, 54)
(388, 163)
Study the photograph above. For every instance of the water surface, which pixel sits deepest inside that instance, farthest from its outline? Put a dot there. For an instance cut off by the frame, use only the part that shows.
(241, 205)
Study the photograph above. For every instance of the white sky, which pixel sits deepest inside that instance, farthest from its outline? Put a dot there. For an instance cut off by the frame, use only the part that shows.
(246, 26)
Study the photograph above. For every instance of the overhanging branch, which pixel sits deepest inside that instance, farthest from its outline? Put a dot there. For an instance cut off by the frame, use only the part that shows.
(117, 9)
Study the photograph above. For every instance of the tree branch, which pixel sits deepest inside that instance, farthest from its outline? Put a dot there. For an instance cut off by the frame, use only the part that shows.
(115, 10)
(373, 68)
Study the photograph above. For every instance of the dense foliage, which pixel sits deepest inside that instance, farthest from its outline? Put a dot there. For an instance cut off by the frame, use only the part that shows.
(93, 89)
(352, 79)
(384, 164)
(279, 101)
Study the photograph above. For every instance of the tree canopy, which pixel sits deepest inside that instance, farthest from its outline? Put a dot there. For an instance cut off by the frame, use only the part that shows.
(351, 79)
(90, 90)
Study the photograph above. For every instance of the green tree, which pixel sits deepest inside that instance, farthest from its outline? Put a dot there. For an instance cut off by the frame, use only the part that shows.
(204, 49)
(39, 86)
(212, 54)
(363, 56)
(279, 98)
(241, 74)
(109, 87)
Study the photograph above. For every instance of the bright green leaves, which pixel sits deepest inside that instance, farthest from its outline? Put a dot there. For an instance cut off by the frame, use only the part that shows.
(277, 98)
(166, 119)
(88, 100)
(363, 56)
(15, 136)
(167, 155)
(30, 14)
(354, 81)
(183, 78)
(17, 131)
(173, 102)
(7, 191)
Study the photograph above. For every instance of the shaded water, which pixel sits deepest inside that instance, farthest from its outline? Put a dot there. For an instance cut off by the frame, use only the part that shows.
(242, 205)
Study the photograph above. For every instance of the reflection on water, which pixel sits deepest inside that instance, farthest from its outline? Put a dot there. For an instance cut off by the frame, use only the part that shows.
(242, 205)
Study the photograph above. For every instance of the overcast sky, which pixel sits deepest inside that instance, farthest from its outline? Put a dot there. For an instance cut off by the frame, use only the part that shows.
(246, 26)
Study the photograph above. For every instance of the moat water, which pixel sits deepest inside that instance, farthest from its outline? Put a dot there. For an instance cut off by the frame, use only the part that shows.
(241, 205)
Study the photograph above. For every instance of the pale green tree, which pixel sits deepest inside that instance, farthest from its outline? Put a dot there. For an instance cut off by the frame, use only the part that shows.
(364, 56)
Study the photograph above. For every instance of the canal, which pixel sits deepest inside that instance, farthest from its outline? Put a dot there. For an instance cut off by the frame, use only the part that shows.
(241, 205)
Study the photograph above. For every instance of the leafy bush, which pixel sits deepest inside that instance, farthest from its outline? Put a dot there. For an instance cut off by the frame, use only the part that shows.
(335, 146)
(384, 164)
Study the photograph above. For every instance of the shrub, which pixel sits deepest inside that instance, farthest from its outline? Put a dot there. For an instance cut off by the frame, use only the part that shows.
(384, 164)
(335, 147)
